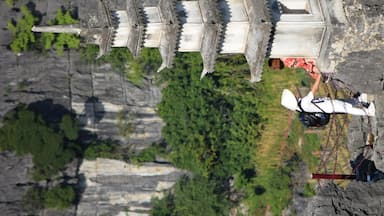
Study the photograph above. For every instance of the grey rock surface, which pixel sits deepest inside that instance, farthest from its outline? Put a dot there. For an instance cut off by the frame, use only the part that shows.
(358, 25)
(364, 73)
(100, 96)
(114, 187)
(299, 202)
(14, 182)
(357, 55)
(357, 199)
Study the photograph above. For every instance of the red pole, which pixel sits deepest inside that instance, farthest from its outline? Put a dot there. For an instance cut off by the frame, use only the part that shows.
(332, 176)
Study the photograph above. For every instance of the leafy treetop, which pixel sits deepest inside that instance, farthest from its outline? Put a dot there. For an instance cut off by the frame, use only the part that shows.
(23, 37)
(25, 132)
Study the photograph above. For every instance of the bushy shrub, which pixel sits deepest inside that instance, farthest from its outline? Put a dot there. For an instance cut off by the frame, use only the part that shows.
(60, 41)
(23, 37)
(191, 196)
(103, 149)
(59, 197)
(26, 132)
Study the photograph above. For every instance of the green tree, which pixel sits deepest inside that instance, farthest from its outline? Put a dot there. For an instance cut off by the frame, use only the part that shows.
(212, 124)
(60, 41)
(59, 197)
(25, 132)
(65, 40)
(102, 149)
(196, 196)
(70, 127)
(23, 37)
(46, 40)
(164, 206)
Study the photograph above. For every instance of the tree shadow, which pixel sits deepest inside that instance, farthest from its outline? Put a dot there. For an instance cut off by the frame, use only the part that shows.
(94, 110)
(32, 7)
(50, 112)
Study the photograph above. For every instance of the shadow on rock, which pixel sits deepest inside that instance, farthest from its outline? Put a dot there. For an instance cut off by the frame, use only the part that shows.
(32, 7)
(50, 112)
(94, 110)
(365, 170)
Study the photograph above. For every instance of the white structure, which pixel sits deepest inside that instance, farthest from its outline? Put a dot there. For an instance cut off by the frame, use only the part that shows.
(300, 27)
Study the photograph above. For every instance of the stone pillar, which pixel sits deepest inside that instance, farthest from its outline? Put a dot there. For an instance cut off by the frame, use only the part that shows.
(68, 29)
(300, 29)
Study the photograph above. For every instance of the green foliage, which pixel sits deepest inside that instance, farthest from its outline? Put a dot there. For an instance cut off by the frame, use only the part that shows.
(163, 207)
(66, 40)
(148, 154)
(104, 149)
(118, 58)
(309, 190)
(59, 197)
(64, 18)
(89, 52)
(70, 127)
(26, 132)
(23, 37)
(272, 189)
(46, 40)
(148, 61)
(211, 124)
(195, 196)
(61, 41)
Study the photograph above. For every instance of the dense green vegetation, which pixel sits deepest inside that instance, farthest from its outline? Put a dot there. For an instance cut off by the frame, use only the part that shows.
(51, 144)
(58, 197)
(60, 41)
(102, 149)
(223, 126)
(212, 128)
(194, 196)
(70, 127)
(23, 37)
(211, 123)
(25, 132)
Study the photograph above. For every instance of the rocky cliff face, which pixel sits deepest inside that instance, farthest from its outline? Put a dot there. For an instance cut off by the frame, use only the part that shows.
(356, 26)
(357, 199)
(100, 96)
(114, 187)
(358, 55)
(14, 182)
